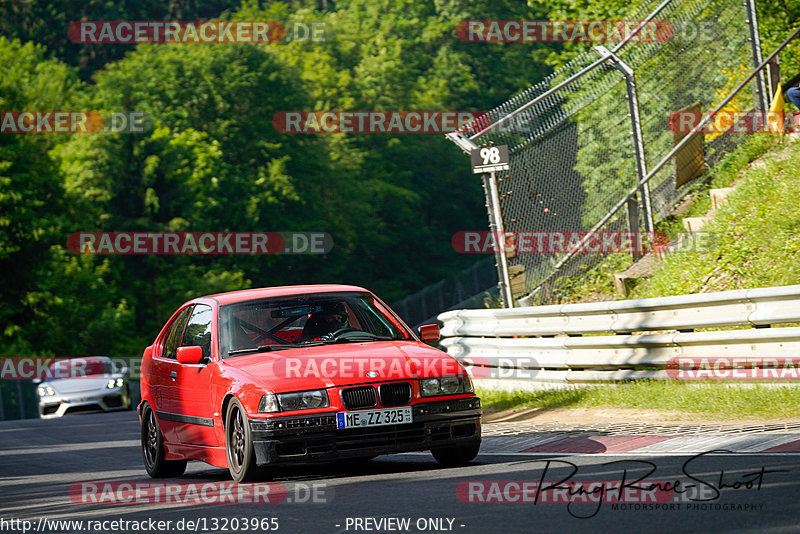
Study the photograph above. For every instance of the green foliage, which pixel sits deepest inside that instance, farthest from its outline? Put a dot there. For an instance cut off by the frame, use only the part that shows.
(683, 399)
(46, 22)
(755, 233)
(31, 193)
(212, 160)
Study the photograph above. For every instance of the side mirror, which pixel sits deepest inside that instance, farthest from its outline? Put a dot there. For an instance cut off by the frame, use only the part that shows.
(190, 354)
(429, 333)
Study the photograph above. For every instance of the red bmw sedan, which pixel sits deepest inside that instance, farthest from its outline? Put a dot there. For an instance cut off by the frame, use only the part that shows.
(250, 379)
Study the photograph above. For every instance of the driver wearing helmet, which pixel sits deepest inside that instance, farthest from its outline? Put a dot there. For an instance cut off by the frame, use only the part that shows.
(331, 318)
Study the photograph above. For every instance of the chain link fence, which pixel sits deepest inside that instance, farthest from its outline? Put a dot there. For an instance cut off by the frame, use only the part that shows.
(470, 288)
(573, 151)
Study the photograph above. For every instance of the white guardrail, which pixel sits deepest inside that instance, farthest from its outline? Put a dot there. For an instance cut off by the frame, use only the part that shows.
(656, 338)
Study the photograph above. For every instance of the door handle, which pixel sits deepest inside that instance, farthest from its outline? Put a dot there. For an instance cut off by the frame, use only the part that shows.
(173, 375)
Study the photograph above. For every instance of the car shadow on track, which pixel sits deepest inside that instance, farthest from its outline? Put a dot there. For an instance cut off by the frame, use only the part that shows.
(386, 465)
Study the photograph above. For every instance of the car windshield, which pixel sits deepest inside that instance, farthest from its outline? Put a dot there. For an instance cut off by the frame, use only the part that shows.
(79, 368)
(302, 320)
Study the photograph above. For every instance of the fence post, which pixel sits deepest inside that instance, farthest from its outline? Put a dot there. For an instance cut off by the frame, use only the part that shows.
(636, 131)
(497, 228)
(751, 17)
(633, 225)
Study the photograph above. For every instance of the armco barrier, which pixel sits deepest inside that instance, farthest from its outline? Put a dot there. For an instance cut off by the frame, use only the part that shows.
(632, 339)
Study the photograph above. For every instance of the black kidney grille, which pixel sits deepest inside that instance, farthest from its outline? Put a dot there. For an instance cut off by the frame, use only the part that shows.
(360, 397)
(395, 394)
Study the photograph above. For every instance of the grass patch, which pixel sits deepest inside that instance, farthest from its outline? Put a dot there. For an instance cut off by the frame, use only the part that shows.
(593, 284)
(711, 399)
(756, 237)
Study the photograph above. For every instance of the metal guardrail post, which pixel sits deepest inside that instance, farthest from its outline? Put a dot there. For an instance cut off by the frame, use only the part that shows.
(751, 17)
(497, 228)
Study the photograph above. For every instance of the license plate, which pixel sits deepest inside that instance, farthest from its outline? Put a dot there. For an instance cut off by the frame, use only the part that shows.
(364, 418)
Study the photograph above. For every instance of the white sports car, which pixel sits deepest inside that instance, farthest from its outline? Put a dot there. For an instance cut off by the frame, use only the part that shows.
(83, 385)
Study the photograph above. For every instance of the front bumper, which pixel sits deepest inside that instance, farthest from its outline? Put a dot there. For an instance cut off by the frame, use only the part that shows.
(106, 400)
(438, 424)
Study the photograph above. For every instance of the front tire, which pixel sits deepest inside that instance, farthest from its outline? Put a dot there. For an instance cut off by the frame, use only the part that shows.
(239, 444)
(456, 456)
(153, 449)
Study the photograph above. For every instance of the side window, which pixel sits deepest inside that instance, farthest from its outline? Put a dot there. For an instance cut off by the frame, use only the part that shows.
(198, 330)
(174, 335)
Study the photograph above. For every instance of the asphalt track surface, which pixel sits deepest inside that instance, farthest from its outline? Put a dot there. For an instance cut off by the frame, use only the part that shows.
(40, 460)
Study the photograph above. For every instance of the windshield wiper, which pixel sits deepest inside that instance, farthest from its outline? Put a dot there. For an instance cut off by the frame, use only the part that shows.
(263, 348)
(359, 337)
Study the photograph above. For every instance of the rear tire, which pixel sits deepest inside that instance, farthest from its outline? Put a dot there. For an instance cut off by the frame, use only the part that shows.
(153, 449)
(456, 456)
(239, 445)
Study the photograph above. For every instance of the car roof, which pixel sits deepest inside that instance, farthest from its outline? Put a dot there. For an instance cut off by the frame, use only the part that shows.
(281, 291)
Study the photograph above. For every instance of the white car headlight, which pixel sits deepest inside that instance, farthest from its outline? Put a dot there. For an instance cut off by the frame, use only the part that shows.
(431, 387)
(111, 384)
(45, 391)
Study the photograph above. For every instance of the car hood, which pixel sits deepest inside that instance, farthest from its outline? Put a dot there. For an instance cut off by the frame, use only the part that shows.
(75, 385)
(343, 364)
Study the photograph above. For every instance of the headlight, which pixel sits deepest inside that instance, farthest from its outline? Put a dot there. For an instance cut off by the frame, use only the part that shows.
(431, 387)
(268, 404)
(45, 391)
(111, 384)
(451, 385)
(303, 400)
(468, 385)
